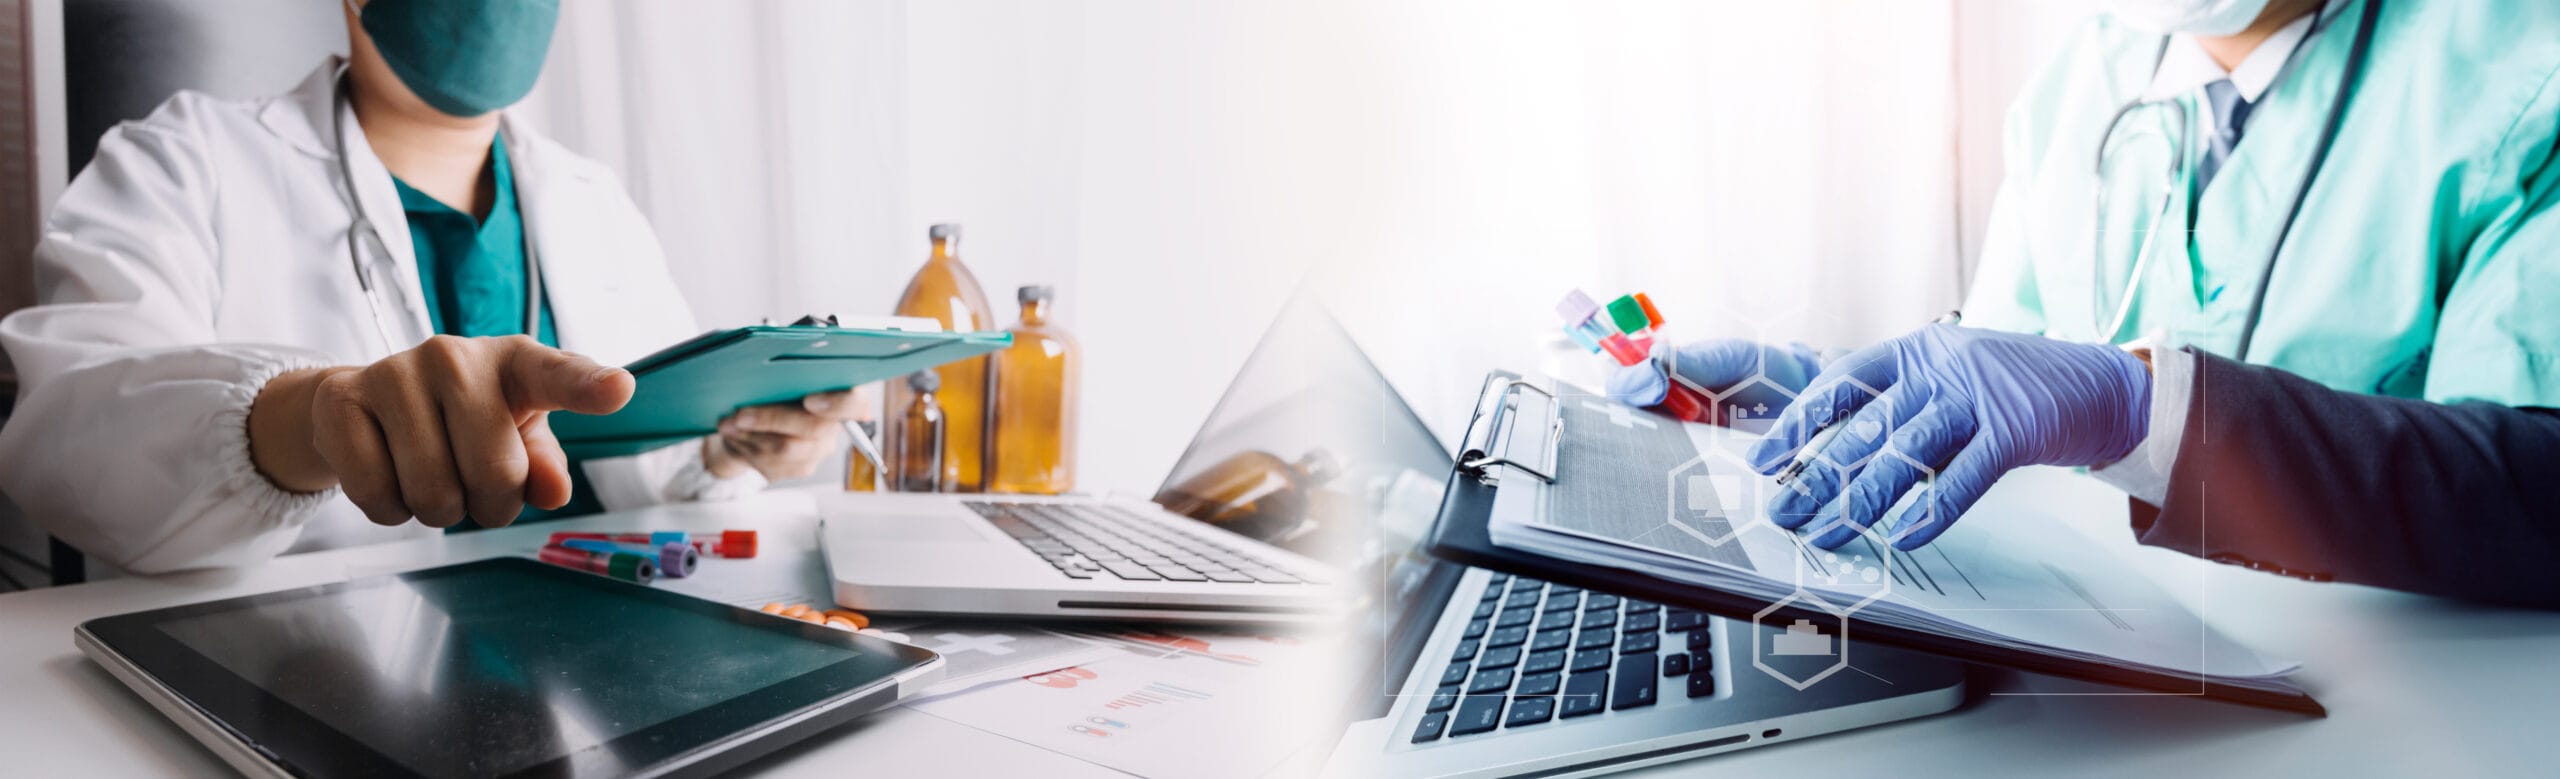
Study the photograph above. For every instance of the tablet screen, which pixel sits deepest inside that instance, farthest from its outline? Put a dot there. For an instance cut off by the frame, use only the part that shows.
(496, 670)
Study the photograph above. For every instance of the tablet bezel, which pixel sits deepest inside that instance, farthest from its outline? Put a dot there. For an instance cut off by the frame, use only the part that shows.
(304, 744)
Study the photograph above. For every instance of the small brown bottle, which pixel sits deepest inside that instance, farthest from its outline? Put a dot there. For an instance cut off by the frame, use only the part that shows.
(945, 291)
(923, 462)
(1035, 404)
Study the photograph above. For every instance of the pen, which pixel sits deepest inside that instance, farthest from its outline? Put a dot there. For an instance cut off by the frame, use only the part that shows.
(1804, 456)
(1822, 438)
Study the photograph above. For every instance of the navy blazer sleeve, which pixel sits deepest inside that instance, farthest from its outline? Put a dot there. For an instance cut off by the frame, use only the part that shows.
(2282, 474)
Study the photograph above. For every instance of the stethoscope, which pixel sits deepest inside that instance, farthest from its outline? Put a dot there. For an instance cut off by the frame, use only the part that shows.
(2177, 170)
(363, 226)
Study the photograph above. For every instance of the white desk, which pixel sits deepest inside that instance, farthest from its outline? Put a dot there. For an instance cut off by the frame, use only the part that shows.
(2414, 686)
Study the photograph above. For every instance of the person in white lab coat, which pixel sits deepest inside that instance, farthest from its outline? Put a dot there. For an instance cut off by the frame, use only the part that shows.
(249, 332)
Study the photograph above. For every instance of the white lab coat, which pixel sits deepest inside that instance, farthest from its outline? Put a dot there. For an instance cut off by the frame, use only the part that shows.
(203, 252)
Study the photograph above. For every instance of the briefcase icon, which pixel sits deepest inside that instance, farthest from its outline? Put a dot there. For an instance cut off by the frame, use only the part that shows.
(1801, 638)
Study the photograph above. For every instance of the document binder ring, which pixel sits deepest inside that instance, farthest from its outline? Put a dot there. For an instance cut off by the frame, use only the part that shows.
(1481, 460)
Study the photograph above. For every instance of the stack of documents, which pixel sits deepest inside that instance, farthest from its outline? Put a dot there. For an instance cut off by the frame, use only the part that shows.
(1651, 495)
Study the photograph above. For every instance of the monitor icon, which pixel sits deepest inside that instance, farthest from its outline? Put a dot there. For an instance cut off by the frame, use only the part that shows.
(1801, 639)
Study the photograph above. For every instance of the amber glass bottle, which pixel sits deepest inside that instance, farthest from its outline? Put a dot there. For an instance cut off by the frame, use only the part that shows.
(923, 455)
(1035, 404)
(944, 291)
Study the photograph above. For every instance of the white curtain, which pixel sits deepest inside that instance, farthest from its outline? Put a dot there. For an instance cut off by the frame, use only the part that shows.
(1810, 171)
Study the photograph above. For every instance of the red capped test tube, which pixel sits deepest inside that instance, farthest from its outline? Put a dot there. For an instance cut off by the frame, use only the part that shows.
(728, 543)
(625, 566)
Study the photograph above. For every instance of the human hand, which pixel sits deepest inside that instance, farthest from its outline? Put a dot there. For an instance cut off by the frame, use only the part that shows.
(1719, 365)
(454, 427)
(1974, 404)
(784, 440)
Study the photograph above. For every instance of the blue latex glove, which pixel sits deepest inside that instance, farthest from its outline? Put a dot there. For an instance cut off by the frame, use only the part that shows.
(1972, 403)
(1719, 365)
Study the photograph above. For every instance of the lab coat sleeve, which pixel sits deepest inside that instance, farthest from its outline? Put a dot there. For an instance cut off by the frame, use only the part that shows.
(2280, 473)
(130, 437)
(2498, 338)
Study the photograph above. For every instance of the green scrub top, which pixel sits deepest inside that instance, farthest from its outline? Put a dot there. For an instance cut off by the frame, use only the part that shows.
(2426, 262)
(473, 274)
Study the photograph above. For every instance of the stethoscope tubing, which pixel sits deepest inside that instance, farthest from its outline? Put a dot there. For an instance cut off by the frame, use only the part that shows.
(2348, 79)
(359, 224)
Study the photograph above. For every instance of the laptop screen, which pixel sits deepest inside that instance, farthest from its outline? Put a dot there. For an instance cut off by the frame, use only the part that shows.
(1311, 448)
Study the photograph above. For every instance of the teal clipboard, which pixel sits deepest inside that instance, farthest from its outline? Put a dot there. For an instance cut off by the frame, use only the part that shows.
(685, 389)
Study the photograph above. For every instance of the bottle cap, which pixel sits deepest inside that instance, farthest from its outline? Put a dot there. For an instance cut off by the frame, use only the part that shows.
(1628, 315)
(1575, 307)
(924, 381)
(943, 231)
(676, 559)
(737, 543)
(1033, 293)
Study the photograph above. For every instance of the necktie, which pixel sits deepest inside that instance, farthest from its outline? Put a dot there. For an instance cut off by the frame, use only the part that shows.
(2230, 114)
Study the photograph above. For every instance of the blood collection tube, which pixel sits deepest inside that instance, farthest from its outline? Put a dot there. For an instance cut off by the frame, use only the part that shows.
(619, 565)
(676, 559)
(729, 543)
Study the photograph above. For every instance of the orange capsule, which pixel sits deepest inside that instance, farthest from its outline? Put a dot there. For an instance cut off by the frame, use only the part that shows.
(841, 623)
(813, 618)
(854, 617)
(797, 609)
(771, 608)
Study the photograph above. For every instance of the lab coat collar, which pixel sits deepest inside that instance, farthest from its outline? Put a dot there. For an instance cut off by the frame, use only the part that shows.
(308, 119)
(2186, 68)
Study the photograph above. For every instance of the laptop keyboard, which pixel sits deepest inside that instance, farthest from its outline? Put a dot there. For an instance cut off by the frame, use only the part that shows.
(1087, 541)
(1536, 652)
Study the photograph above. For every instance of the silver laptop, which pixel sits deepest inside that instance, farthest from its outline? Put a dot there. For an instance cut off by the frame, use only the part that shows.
(1468, 672)
(1088, 557)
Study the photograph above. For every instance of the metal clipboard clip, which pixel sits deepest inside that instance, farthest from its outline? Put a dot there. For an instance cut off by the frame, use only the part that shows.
(1499, 410)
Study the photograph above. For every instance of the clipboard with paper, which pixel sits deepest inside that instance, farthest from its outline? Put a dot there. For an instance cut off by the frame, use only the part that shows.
(684, 390)
(1562, 484)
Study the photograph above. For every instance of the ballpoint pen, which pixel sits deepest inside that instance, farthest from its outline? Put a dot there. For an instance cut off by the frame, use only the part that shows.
(1822, 438)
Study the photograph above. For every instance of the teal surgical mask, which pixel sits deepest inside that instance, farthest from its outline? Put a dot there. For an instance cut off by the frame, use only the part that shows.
(463, 57)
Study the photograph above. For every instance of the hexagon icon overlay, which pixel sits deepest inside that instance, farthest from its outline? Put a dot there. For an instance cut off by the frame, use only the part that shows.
(1715, 497)
(1798, 640)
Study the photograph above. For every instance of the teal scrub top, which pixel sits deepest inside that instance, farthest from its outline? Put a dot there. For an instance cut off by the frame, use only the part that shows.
(473, 274)
(2426, 261)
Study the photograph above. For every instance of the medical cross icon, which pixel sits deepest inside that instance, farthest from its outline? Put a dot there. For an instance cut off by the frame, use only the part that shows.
(1619, 415)
(955, 643)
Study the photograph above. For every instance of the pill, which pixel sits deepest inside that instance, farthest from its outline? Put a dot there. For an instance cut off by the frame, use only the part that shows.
(854, 617)
(842, 623)
(772, 608)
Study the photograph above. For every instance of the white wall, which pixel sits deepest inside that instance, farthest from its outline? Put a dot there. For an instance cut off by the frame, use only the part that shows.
(1802, 171)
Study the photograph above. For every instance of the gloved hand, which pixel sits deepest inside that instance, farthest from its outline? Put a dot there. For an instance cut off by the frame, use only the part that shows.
(1719, 365)
(1974, 404)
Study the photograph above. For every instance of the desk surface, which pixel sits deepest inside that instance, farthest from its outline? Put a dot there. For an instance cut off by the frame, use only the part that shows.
(61, 715)
(2414, 685)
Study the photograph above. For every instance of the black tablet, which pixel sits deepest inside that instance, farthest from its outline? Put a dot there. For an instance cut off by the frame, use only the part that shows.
(497, 667)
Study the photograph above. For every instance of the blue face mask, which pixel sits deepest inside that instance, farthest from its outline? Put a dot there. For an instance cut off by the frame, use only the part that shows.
(463, 57)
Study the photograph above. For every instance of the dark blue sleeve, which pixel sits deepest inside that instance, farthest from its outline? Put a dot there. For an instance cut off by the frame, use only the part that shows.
(2282, 474)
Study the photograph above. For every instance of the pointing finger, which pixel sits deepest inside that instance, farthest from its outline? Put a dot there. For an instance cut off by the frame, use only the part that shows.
(540, 378)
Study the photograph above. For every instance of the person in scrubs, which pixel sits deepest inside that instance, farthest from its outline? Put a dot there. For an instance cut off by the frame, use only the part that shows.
(2285, 271)
(343, 314)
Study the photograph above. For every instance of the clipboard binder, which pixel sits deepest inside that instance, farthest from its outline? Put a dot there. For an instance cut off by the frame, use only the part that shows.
(1483, 458)
(685, 389)
(1459, 533)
